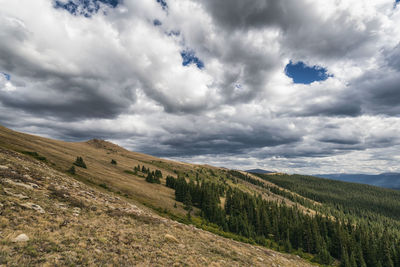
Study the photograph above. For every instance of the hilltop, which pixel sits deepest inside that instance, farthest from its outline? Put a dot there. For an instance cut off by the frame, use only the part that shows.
(101, 215)
(95, 203)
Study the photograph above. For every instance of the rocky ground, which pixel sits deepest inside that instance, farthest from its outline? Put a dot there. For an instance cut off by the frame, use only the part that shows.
(47, 218)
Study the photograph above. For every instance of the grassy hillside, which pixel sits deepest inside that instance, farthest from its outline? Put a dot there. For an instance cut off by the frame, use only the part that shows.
(119, 178)
(357, 200)
(50, 219)
(303, 216)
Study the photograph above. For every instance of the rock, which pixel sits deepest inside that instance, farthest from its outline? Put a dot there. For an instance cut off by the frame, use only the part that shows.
(3, 167)
(21, 238)
(64, 223)
(62, 206)
(34, 186)
(33, 206)
(171, 238)
(10, 193)
(76, 211)
(19, 184)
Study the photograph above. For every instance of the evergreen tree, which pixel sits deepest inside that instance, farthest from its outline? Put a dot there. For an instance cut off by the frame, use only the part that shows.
(71, 170)
(188, 201)
(170, 182)
(80, 163)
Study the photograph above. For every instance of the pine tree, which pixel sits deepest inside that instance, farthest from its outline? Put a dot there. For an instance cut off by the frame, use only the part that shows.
(79, 162)
(345, 261)
(150, 178)
(170, 182)
(71, 170)
(188, 201)
(386, 259)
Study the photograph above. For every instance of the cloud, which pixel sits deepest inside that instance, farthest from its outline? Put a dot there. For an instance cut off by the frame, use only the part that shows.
(115, 70)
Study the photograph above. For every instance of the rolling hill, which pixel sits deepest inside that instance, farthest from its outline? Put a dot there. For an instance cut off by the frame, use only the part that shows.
(95, 203)
(387, 180)
(103, 215)
(258, 171)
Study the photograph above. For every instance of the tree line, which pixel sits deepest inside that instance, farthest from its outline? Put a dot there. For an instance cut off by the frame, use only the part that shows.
(253, 217)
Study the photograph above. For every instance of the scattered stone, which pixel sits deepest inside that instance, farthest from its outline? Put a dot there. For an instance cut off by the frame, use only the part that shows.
(171, 238)
(93, 208)
(21, 238)
(17, 195)
(33, 206)
(62, 206)
(260, 259)
(11, 182)
(3, 167)
(34, 186)
(64, 223)
(76, 211)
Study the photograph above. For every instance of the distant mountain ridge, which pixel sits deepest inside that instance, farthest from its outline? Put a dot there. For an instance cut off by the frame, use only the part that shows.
(259, 171)
(387, 180)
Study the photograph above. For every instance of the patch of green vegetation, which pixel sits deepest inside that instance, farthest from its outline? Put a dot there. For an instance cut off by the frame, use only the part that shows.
(103, 185)
(3, 257)
(253, 219)
(80, 163)
(34, 155)
(71, 170)
(63, 195)
(129, 172)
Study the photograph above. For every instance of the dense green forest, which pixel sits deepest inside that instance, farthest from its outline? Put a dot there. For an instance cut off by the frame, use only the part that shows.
(354, 201)
(328, 238)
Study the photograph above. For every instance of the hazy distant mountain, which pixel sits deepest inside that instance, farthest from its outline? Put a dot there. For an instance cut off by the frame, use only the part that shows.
(259, 171)
(387, 180)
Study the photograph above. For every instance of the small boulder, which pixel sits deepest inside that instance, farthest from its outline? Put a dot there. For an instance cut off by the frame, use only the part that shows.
(76, 211)
(171, 238)
(33, 206)
(21, 238)
(17, 195)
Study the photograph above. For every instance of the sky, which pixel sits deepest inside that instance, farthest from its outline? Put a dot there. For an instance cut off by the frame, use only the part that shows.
(300, 86)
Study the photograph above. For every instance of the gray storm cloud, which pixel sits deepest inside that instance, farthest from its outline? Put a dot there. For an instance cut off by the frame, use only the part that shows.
(116, 75)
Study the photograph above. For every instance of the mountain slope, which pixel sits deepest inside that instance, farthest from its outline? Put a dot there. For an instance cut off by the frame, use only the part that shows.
(258, 171)
(321, 222)
(387, 180)
(68, 222)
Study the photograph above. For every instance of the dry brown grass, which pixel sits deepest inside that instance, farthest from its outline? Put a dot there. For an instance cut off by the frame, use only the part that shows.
(107, 230)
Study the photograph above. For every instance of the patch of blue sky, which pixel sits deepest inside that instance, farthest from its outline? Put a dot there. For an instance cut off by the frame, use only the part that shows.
(157, 22)
(163, 4)
(173, 33)
(6, 75)
(301, 73)
(189, 57)
(84, 7)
